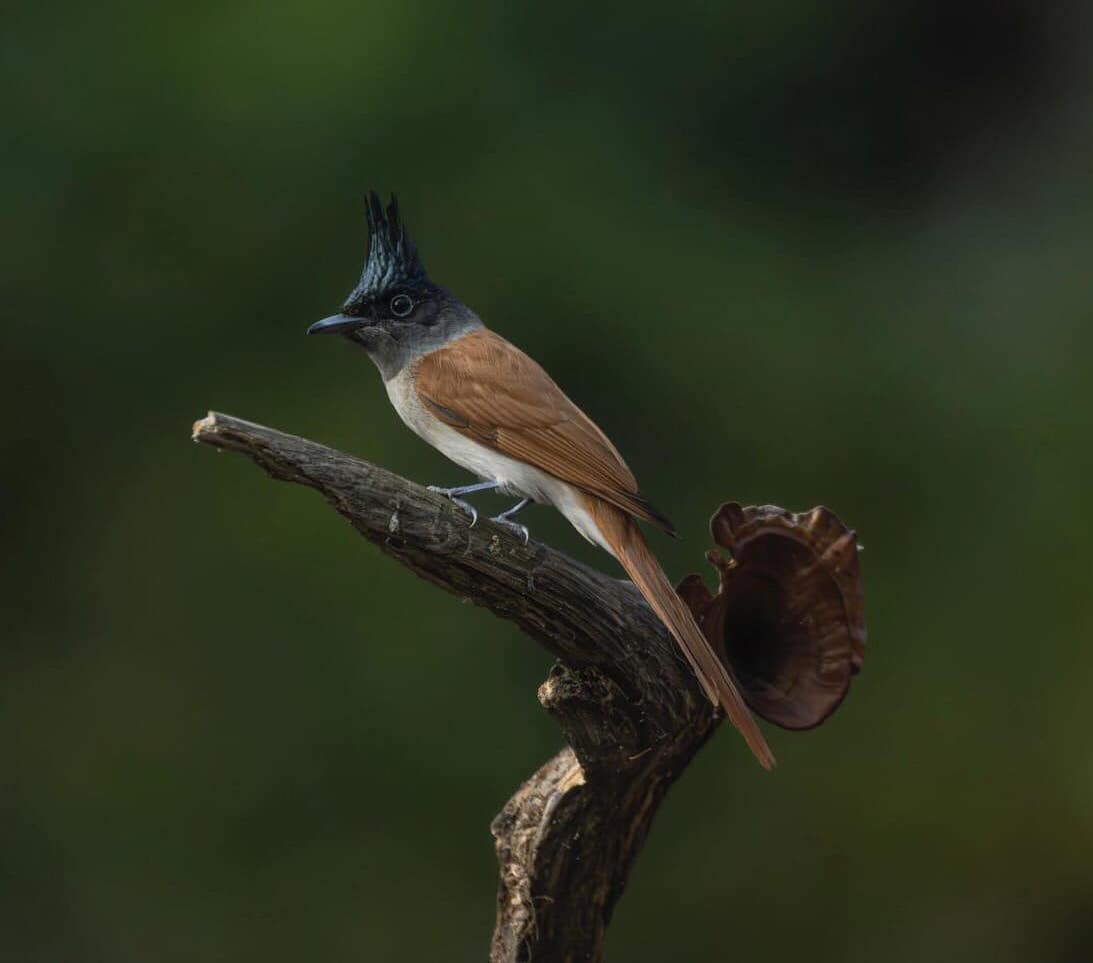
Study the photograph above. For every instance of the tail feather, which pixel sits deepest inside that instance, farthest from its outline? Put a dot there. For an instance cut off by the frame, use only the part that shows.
(629, 546)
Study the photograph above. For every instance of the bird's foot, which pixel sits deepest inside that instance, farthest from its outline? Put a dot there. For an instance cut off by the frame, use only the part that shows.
(449, 493)
(452, 494)
(520, 530)
(504, 519)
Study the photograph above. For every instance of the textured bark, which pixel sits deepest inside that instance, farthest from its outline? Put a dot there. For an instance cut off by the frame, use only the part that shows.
(630, 710)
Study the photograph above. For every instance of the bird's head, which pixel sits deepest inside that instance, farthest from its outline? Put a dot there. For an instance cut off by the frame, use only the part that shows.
(396, 312)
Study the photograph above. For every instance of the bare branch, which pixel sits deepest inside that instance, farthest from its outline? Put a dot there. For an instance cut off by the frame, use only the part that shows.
(630, 710)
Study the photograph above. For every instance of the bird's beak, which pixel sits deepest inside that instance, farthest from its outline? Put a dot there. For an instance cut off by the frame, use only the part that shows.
(338, 324)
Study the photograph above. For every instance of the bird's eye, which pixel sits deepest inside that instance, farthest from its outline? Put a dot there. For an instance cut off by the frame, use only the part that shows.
(401, 305)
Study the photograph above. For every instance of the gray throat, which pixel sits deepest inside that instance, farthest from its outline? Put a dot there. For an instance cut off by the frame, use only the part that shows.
(392, 349)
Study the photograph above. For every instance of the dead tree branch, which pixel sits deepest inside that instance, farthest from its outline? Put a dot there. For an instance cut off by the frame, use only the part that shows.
(631, 712)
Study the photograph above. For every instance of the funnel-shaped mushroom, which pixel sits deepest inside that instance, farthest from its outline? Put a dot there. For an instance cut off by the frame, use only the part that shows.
(788, 617)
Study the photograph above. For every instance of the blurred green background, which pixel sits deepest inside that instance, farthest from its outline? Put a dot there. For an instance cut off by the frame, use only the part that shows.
(796, 253)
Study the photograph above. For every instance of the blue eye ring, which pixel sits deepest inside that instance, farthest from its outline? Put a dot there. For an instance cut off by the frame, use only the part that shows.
(401, 305)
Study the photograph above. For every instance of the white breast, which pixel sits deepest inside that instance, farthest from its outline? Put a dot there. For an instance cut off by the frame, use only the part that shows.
(514, 477)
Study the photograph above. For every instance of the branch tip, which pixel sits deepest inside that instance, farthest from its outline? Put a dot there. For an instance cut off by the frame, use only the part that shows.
(203, 426)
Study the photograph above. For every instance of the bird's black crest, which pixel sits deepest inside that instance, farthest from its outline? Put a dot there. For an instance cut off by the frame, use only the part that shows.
(392, 256)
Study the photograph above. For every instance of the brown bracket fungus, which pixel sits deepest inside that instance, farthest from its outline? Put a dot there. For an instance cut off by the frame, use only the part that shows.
(788, 617)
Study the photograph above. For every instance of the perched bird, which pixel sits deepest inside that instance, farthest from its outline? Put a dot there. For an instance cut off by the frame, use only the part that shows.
(488, 407)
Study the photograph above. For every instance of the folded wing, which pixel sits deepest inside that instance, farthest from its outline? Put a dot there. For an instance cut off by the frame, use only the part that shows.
(489, 390)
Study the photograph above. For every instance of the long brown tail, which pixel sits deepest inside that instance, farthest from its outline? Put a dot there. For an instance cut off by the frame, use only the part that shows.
(628, 543)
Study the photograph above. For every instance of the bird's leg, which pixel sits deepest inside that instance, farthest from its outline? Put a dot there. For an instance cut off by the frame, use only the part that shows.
(454, 495)
(503, 519)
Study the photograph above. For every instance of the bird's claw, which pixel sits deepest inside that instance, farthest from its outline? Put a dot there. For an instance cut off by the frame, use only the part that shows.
(468, 508)
(448, 493)
(521, 530)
